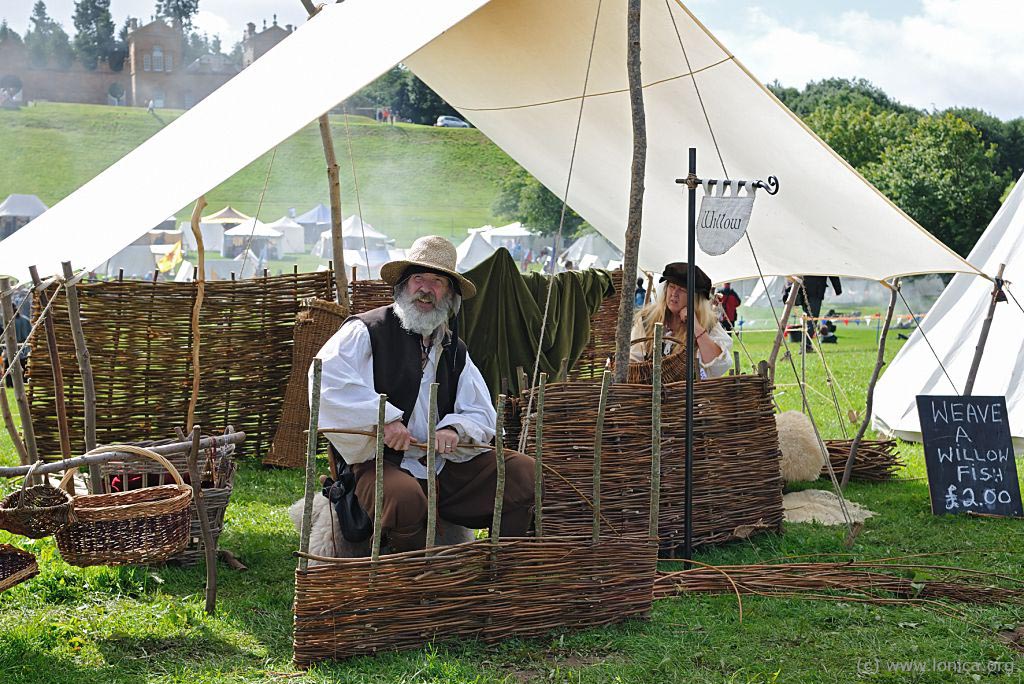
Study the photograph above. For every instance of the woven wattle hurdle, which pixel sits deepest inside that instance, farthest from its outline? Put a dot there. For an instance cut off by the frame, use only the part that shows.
(487, 590)
(737, 483)
(370, 294)
(139, 339)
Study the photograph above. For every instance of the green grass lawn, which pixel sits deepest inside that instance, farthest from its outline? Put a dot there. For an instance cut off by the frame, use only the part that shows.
(413, 180)
(147, 625)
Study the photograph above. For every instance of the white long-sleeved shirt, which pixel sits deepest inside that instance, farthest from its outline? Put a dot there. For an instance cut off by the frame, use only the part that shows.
(349, 401)
(715, 368)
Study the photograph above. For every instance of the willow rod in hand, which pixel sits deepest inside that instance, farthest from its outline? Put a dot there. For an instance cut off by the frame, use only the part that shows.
(307, 505)
(378, 493)
(431, 466)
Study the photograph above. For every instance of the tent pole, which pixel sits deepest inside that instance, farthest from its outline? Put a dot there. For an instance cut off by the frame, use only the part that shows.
(997, 296)
(636, 192)
(879, 362)
(794, 288)
(334, 188)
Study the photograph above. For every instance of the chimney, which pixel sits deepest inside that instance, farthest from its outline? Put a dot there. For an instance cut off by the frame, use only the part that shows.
(250, 30)
(133, 24)
(275, 19)
(264, 24)
(288, 27)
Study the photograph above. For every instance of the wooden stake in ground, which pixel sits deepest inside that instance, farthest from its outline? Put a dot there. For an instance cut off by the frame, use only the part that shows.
(85, 368)
(636, 192)
(17, 378)
(879, 362)
(794, 289)
(997, 291)
(209, 543)
(58, 374)
(196, 308)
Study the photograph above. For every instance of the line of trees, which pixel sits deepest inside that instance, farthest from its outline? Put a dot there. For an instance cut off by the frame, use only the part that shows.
(97, 40)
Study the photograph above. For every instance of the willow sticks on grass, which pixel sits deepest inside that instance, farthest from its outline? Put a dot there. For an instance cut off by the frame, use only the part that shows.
(877, 459)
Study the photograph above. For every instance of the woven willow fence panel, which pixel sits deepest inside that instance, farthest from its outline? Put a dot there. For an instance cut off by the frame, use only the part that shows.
(140, 341)
(478, 590)
(737, 487)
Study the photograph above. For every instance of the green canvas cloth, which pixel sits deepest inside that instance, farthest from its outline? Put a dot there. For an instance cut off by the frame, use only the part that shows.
(501, 325)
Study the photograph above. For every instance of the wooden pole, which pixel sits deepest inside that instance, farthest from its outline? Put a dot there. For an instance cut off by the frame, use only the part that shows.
(636, 192)
(58, 374)
(209, 543)
(12, 429)
(311, 437)
(17, 378)
(659, 332)
(794, 290)
(432, 466)
(538, 462)
(879, 362)
(378, 494)
(85, 368)
(602, 406)
(197, 306)
(997, 290)
(499, 459)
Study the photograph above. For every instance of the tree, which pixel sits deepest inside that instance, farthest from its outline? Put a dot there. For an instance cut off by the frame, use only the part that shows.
(859, 133)
(182, 10)
(836, 92)
(943, 175)
(94, 37)
(196, 45)
(7, 33)
(1006, 136)
(46, 40)
(402, 91)
(215, 46)
(521, 197)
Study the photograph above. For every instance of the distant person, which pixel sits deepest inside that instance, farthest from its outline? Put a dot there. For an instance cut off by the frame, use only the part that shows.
(730, 306)
(810, 297)
(641, 293)
(149, 107)
(569, 266)
(517, 251)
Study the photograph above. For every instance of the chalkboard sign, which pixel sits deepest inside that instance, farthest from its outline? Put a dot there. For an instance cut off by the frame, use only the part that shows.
(969, 455)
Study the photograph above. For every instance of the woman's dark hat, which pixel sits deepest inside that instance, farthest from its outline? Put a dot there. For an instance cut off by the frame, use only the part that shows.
(675, 273)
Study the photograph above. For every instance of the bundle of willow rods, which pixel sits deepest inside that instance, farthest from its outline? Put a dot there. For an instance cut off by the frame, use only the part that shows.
(880, 580)
(139, 338)
(877, 459)
(480, 590)
(316, 323)
(370, 294)
(601, 347)
(737, 488)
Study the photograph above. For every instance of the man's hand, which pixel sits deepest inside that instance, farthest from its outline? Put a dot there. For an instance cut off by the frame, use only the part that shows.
(397, 436)
(446, 439)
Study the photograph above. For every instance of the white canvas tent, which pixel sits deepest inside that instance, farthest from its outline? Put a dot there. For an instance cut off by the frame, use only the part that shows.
(592, 250)
(254, 234)
(472, 251)
(293, 240)
(354, 231)
(953, 326)
(469, 51)
(213, 236)
(137, 262)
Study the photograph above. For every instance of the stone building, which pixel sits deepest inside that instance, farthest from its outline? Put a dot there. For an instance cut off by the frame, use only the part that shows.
(152, 71)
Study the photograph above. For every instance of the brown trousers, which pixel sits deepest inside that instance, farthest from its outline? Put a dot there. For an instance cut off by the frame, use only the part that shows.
(465, 496)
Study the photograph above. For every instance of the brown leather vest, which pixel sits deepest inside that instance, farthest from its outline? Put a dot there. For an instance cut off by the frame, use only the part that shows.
(396, 365)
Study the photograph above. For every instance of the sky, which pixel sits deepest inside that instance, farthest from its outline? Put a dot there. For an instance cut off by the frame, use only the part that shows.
(929, 54)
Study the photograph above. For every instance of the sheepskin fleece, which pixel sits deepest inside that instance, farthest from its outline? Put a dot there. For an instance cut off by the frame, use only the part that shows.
(816, 505)
(802, 459)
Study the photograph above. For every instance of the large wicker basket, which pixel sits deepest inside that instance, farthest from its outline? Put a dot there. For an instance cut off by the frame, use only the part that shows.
(128, 528)
(16, 566)
(36, 511)
(315, 324)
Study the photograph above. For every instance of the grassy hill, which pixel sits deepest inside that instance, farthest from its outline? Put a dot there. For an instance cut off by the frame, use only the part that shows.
(412, 180)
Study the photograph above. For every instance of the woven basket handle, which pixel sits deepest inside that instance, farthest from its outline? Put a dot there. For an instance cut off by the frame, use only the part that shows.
(666, 338)
(131, 449)
(28, 478)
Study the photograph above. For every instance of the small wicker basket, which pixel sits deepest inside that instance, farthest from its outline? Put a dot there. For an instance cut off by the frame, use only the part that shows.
(37, 511)
(16, 566)
(136, 527)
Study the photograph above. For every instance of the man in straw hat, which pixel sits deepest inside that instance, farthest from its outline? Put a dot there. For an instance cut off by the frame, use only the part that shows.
(399, 350)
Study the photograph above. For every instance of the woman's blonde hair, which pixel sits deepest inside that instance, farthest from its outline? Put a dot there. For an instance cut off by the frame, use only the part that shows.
(656, 311)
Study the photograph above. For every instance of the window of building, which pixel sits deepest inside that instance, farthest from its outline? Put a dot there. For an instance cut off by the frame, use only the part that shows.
(169, 62)
(147, 62)
(158, 58)
(158, 98)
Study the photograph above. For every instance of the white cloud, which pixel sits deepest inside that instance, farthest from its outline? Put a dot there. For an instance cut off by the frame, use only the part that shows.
(216, 25)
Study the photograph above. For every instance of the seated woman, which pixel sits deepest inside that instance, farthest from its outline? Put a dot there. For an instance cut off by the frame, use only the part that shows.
(713, 344)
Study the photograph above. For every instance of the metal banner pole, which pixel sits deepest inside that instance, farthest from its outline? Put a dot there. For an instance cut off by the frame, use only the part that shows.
(691, 257)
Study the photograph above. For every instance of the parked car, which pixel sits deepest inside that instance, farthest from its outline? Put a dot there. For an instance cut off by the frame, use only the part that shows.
(451, 122)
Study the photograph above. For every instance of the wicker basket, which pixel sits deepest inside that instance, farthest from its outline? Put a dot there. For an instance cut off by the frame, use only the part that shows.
(217, 500)
(315, 324)
(16, 566)
(37, 511)
(128, 528)
(673, 366)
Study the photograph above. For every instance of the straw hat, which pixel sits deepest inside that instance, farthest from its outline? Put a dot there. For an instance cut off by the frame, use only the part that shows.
(431, 252)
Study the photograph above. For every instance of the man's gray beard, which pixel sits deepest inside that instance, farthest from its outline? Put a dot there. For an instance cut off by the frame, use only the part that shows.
(422, 322)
